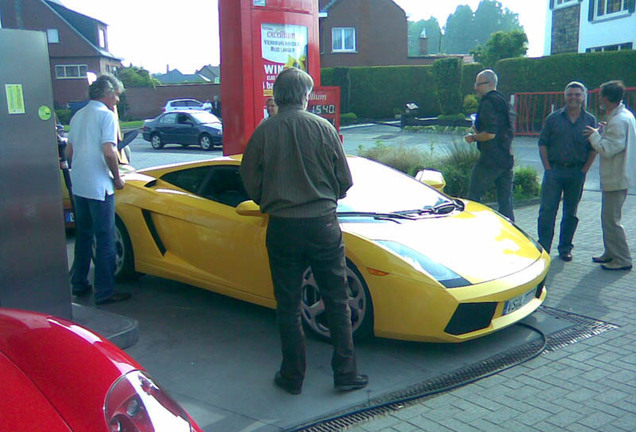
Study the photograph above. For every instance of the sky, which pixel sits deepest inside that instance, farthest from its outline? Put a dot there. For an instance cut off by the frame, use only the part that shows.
(156, 35)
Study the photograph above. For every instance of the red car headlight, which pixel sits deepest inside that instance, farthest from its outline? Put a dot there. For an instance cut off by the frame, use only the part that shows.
(135, 403)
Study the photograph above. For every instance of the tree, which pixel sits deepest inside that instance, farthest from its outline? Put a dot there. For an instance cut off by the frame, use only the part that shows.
(465, 30)
(133, 76)
(433, 33)
(501, 45)
(458, 31)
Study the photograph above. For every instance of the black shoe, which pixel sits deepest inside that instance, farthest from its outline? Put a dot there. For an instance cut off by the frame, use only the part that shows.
(354, 383)
(613, 266)
(566, 256)
(81, 291)
(115, 298)
(601, 259)
(289, 387)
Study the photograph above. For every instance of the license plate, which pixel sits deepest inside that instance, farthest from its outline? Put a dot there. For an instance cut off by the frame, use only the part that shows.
(518, 302)
(68, 217)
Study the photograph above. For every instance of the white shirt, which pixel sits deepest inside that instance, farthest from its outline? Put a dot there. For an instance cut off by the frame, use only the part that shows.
(92, 127)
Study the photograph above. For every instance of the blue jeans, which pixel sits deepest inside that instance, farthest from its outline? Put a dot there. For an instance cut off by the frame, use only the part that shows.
(481, 177)
(94, 219)
(557, 182)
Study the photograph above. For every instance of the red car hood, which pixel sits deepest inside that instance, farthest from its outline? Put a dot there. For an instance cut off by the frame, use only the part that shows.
(50, 365)
(23, 407)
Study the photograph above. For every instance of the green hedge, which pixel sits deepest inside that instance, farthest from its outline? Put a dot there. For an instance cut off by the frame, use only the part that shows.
(447, 74)
(553, 73)
(380, 91)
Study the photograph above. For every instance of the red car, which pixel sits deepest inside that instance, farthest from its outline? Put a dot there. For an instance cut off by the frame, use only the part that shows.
(59, 376)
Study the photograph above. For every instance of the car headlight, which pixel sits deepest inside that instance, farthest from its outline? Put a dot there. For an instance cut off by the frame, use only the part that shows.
(421, 262)
(135, 403)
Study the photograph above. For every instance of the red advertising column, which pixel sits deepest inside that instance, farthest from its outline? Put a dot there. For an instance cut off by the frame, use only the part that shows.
(259, 38)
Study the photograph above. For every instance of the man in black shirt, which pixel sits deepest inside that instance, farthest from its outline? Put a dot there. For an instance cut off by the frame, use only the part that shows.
(295, 168)
(566, 155)
(493, 134)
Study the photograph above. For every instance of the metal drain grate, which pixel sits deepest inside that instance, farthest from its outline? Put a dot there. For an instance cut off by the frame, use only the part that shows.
(584, 328)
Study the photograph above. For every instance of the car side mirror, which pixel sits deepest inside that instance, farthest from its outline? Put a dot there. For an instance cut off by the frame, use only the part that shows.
(433, 178)
(248, 208)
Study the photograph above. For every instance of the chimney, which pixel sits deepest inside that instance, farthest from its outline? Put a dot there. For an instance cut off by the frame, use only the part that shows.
(167, 68)
(423, 43)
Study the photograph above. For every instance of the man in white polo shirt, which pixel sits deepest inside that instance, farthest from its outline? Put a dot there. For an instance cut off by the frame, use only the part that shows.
(92, 148)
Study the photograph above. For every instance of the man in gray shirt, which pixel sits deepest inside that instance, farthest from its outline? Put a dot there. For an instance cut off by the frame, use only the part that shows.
(295, 168)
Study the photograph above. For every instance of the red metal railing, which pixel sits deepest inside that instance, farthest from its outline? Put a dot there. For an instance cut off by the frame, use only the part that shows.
(532, 108)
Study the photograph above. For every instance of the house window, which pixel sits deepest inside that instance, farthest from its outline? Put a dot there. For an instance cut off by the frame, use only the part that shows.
(343, 39)
(53, 36)
(617, 47)
(70, 71)
(102, 38)
(608, 7)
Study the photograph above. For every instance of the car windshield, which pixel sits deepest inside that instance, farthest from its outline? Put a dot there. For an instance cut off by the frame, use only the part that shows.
(380, 189)
(204, 117)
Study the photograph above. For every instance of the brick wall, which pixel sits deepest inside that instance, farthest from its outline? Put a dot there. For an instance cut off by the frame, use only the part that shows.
(565, 30)
(146, 102)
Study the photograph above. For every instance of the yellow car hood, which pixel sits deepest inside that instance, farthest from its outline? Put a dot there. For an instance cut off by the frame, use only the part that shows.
(476, 243)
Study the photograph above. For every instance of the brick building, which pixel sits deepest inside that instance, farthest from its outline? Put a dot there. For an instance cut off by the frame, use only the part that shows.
(78, 44)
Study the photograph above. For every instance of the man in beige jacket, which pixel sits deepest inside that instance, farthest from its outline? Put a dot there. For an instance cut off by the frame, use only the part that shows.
(617, 146)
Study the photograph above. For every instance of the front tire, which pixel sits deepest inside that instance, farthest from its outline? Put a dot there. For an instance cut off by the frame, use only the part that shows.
(205, 141)
(313, 311)
(156, 142)
(125, 259)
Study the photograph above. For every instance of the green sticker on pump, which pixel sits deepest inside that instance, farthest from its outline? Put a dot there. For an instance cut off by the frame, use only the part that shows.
(44, 112)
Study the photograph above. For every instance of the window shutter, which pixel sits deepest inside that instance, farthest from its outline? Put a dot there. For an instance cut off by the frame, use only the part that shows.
(590, 15)
(630, 5)
(551, 4)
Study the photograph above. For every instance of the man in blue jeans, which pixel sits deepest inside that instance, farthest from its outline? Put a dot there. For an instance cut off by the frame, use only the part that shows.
(566, 155)
(92, 148)
(492, 132)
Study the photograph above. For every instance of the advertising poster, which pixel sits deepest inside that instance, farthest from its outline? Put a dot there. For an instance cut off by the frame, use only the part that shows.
(283, 46)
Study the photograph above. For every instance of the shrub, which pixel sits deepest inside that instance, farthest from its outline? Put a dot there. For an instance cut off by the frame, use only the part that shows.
(455, 165)
(401, 158)
(447, 74)
(470, 104)
(63, 116)
(348, 118)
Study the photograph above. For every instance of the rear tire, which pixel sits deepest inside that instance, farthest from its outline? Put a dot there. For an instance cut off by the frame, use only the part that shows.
(156, 142)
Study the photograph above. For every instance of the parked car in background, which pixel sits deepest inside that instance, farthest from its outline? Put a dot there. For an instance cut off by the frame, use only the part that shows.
(185, 104)
(59, 376)
(185, 128)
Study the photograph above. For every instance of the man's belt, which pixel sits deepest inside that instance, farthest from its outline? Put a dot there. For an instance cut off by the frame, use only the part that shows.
(567, 164)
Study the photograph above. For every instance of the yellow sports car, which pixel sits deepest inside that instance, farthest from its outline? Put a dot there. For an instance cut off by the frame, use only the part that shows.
(422, 266)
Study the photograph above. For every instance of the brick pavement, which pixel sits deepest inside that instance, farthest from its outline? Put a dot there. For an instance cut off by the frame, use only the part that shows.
(586, 386)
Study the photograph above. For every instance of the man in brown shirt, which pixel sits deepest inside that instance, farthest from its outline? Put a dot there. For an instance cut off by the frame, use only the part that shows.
(295, 168)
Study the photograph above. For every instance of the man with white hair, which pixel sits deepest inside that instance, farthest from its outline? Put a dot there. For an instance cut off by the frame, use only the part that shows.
(295, 168)
(566, 155)
(92, 148)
